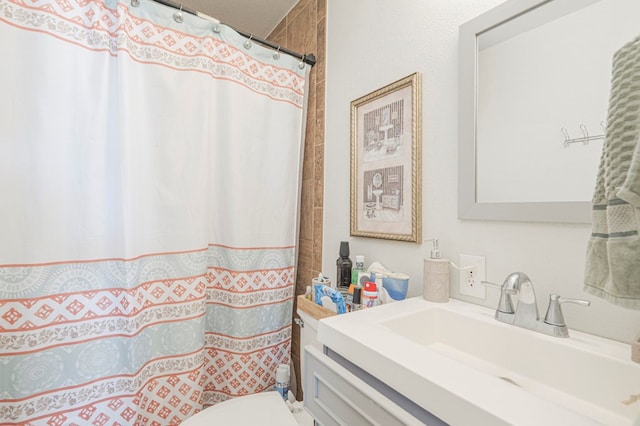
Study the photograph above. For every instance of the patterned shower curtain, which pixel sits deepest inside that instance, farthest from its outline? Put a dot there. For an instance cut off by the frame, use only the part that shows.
(149, 177)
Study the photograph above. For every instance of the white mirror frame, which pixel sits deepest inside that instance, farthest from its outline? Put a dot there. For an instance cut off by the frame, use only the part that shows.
(468, 205)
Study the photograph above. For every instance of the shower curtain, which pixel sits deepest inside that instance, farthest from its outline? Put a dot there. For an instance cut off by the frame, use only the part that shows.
(149, 176)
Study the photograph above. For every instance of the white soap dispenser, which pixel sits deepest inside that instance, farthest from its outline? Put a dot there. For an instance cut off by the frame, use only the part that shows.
(436, 276)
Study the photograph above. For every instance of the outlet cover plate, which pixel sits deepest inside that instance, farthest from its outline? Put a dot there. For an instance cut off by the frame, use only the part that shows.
(471, 279)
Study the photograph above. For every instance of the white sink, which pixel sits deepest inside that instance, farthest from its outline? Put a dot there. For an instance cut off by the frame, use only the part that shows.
(458, 362)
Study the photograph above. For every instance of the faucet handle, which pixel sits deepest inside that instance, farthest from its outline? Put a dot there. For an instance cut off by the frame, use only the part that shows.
(554, 312)
(504, 305)
(490, 284)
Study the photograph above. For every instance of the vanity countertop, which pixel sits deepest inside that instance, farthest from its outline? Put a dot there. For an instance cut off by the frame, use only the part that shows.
(509, 381)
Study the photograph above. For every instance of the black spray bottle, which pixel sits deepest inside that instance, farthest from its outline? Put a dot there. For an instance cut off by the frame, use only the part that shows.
(343, 265)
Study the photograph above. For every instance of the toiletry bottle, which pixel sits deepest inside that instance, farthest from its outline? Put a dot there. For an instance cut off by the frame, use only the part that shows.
(348, 296)
(282, 380)
(370, 295)
(357, 270)
(356, 303)
(343, 265)
(436, 276)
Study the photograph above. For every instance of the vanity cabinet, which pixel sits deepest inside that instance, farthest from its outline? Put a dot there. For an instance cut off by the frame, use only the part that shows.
(391, 201)
(337, 392)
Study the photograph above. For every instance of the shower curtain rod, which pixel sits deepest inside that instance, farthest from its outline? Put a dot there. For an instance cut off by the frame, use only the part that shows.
(306, 58)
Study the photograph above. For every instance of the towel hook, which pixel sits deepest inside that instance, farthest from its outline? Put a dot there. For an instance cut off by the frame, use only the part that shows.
(567, 139)
(586, 137)
(585, 133)
(247, 44)
(178, 16)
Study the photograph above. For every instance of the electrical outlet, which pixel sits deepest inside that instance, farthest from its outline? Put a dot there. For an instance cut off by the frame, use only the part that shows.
(472, 273)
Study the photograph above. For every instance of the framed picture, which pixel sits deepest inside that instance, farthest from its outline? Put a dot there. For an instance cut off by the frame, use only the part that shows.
(386, 157)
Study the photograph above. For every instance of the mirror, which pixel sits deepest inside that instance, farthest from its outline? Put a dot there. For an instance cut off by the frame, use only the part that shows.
(534, 88)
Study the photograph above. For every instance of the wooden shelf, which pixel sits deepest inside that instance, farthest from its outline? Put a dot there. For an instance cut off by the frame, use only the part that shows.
(314, 310)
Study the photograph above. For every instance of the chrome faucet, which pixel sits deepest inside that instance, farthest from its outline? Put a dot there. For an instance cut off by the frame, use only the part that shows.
(525, 314)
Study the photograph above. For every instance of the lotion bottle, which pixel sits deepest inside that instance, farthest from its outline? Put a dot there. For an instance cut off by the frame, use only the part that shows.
(436, 276)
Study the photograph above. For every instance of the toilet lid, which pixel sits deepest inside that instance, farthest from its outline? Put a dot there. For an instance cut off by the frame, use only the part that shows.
(266, 408)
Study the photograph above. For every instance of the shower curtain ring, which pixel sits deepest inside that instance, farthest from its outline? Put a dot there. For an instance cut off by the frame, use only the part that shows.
(277, 54)
(247, 44)
(178, 16)
(135, 3)
(301, 64)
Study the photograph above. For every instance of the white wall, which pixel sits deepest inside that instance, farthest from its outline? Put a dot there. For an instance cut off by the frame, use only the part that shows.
(371, 43)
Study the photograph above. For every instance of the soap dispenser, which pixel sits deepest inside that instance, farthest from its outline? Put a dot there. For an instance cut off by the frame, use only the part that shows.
(436, 276)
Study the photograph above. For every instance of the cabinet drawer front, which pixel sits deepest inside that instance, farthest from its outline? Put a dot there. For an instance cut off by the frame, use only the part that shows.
(335, 396)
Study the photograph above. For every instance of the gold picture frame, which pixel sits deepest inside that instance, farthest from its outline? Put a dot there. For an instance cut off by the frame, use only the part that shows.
(386, 153)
